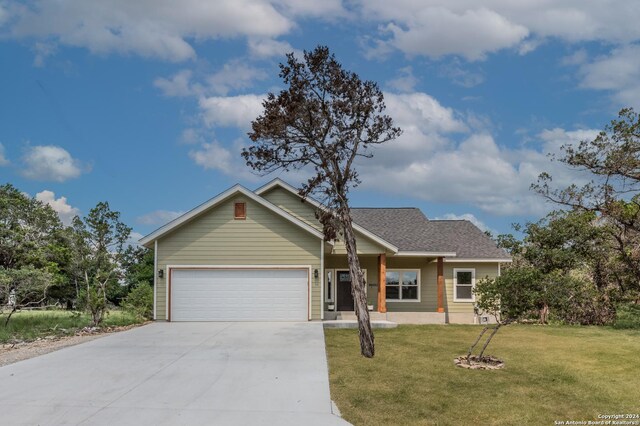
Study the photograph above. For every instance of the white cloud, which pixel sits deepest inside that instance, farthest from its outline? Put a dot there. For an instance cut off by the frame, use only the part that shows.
(50, 163)
(266, 47)
(231, 111)
(158, 217)
(617, 72)
(327, 9)
(466, 216)
(405, 82)
(150, 28)
(235, 74)
(60, 205)
(428, 162)
(436, 32)
(225, 158)
(134, 239)
(461, 75)
(436, 28)
(3, 159)
(191, 136)
(578, 57)
(213, 156)
(179, 85)
(43, 50)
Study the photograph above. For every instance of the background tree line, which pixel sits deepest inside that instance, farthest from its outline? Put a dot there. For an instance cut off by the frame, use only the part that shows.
(86, 266)
(581, 263)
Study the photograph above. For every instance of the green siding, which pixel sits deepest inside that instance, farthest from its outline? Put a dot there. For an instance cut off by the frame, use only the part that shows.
(482, 270)
(216, 238)
(428, 284)
(364, 246)
(294, 205)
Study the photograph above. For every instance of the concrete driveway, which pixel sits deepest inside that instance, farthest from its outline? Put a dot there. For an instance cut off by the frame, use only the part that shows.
(177, 374)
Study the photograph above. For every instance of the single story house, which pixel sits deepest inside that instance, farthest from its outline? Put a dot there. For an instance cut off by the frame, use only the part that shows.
(261, 256)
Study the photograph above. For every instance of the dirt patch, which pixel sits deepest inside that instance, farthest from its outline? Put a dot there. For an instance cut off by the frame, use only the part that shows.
(473, 363)
(14, 352)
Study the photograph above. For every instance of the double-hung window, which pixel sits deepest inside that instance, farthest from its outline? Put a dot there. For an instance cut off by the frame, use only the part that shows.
(464, 279)
(403, 285)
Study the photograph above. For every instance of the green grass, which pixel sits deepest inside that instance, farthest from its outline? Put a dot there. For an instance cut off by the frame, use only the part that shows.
(551, 373)
(29, 325)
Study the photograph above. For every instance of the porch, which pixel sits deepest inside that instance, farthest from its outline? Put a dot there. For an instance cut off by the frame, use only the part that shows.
(412, 289)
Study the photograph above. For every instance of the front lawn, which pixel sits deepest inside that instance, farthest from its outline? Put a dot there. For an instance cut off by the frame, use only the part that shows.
(29, 325)
(552, 373)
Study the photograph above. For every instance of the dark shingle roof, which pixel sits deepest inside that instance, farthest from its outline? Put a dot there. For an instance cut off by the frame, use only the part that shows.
(410, 230)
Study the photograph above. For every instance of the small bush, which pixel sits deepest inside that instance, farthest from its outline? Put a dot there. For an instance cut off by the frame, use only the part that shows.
(139, 301)
(627, 316)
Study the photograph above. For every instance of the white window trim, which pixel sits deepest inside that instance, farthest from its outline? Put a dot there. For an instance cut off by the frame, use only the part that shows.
(400, 285)
(331, 299)
(455, 284)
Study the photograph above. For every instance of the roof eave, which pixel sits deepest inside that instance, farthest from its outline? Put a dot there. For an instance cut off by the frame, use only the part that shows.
(481, 260)
(409, 253)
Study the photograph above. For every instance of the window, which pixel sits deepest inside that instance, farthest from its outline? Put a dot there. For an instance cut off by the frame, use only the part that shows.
(329, 290)
(463, 282)
(403, 285)
(240, 211)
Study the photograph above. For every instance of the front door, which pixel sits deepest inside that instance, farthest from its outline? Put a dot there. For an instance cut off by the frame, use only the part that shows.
(345, 297)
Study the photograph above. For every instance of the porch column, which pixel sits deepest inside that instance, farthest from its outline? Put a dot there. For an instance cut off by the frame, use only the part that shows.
(382, 283)
(440, 269)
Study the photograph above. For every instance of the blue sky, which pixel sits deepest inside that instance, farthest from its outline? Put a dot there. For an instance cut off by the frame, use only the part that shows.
(146, 104)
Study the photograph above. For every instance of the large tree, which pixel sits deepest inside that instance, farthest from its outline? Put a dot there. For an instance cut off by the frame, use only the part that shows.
(99, 244)
(612, 160)
(324, 120)
(28, 230)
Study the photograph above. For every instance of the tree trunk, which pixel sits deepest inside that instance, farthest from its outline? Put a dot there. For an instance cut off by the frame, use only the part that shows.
(484, 330)
(495, 330)
(544, 314)
(357, 287)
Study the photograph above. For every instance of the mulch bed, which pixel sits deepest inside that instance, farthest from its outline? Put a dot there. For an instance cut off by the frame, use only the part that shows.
(487, 362)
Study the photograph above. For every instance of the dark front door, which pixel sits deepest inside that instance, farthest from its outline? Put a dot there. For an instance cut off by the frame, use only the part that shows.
(345, 298)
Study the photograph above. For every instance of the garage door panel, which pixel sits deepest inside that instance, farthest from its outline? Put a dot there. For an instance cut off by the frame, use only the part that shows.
(239, 294)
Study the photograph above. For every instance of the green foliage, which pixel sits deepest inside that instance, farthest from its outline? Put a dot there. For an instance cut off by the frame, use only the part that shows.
(29, 325)
(511, 296)
(138, 263)
(28, 230)
(612, 160)
(627, 316)
(139, 301)
(553, 269)
(98, 242)
(23, 287)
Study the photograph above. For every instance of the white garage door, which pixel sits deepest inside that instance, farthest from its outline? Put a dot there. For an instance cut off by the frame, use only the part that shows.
(239, 294)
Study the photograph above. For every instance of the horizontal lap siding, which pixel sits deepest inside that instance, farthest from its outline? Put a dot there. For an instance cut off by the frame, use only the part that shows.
(482, 270)
(428, 287)
(216, 238)
(306, 212)
(293, 204)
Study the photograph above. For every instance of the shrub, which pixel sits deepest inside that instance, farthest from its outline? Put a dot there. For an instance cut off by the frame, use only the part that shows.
(627, 316)
(139, 301)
